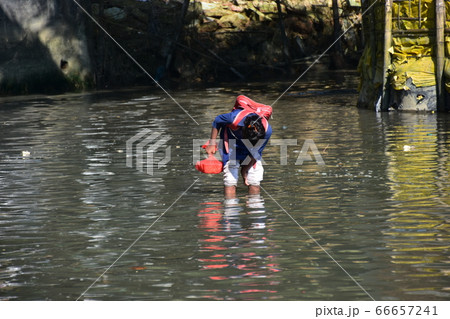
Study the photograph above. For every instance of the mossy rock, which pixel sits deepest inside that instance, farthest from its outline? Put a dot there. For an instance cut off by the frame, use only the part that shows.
(214, 9)
(267, 6)
(234, 20)
(210, 26)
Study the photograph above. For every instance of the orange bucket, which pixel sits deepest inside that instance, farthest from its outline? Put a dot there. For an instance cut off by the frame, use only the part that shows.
(210, 165)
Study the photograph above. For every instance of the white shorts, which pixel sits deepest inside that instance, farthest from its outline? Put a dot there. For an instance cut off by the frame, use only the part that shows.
(231, 173)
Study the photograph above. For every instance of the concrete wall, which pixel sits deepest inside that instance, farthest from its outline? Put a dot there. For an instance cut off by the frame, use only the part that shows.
(43, 47)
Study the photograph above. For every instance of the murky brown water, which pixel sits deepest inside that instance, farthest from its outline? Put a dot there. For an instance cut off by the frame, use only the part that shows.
(70, 206)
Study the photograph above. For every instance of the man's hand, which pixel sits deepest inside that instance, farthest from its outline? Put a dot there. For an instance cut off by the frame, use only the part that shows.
(244, 173)
(211, 149)
(245, 169)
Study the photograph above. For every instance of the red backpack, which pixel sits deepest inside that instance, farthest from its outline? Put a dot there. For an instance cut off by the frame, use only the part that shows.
(249, 106)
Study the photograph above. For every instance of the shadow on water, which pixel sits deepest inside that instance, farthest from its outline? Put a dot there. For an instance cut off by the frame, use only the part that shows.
(70, 206)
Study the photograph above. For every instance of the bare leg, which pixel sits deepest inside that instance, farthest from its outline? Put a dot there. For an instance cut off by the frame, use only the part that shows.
(254, 190)
(230, 191)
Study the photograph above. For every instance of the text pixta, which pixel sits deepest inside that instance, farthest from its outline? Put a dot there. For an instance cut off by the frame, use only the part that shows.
(304, 154)
(337, 311)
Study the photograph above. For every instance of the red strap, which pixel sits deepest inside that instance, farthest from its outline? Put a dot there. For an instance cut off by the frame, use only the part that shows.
(238, 118)
(225, 141)
(234, 126)
(265, 123)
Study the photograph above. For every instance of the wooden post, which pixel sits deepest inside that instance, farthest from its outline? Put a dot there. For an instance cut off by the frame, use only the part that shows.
(178, 31)
(283, 32)
(337, 57)
(440, 52)
(336, 26)
(373, 43)
(387, 55)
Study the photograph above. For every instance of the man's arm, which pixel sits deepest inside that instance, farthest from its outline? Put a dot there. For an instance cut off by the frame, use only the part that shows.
(212, 144)
(221, 121)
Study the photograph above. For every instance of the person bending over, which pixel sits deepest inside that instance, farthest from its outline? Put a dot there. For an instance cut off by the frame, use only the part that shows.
(242, 147)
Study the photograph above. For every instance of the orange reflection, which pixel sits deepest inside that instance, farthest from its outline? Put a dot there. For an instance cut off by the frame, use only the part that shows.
(239, 232)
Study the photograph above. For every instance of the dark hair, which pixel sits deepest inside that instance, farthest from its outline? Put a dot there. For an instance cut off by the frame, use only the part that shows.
(253, 128)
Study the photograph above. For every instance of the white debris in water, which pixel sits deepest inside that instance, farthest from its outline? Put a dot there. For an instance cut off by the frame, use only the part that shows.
(408, 148)
(163, 285)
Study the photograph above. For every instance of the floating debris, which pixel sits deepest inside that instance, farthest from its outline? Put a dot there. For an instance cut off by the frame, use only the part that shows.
(408, 148)
(138, 268)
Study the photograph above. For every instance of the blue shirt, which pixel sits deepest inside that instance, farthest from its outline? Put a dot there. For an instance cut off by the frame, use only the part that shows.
(237, 149)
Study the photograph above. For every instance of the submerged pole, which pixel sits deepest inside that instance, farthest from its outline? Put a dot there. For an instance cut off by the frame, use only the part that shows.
(440, 52)
(178, 31)
(387, 55)
(283, 32)
(337, 58)
(336, 26)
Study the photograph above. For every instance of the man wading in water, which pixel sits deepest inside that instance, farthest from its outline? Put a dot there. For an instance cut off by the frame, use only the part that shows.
(245, 132)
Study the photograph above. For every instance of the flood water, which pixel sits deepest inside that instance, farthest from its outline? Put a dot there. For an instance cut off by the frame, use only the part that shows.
(70, 207)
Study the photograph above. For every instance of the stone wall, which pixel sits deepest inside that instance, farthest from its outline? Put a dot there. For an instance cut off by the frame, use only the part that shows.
(220, 40)
(45, 47)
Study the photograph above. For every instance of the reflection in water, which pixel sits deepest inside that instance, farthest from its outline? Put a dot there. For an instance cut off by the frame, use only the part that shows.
(418, 233)
(235, 241)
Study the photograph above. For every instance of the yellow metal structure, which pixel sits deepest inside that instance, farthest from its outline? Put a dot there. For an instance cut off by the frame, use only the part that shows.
(405, 64)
